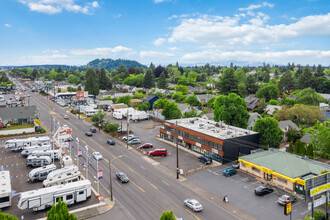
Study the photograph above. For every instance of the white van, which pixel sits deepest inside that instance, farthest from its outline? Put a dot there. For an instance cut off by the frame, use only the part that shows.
(41, 173)
(28, 150)
(39, 161)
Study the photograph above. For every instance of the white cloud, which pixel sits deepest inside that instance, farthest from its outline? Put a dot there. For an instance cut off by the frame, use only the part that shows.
(229, 31)
(252, 7)
(159, 41)
(47, 59)
(49, 51)
(160, 1)
(57, 6)
(155, 54)
(7, 25)
(281, 57)
(173, 48)
(103, 51)
(117, 16)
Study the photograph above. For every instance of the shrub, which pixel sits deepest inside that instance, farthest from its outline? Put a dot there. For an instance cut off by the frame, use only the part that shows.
(111, 126)
(318, 215)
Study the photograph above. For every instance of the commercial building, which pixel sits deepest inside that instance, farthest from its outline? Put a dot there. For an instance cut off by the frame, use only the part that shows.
(282, 169)
(217, 140)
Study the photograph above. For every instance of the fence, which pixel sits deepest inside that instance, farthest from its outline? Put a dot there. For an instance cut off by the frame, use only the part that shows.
(17, 131)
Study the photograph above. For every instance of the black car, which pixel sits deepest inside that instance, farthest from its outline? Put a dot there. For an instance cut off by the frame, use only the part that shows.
(92, 129)
(89, 134)
(205, 159)
(263, 190)
(111, 141)
(122, 177)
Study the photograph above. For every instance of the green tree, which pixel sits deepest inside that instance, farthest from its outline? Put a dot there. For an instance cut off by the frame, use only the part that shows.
(240, 75)
(167, 215)
(103, 79)
(190, 114)
(309, 96)
(270, 133)
(268, 92)
(98, 116)
(320, 138)
(319, 71)
(111, 126)
(91, 82)
(182, 88)
(290, 148)
(304, 80)
(192, 100)
(34, 74)
(251, 84)
(318, 215)
(162, 82)
(228, 82)
(297, 147)
(160, 103)
(231, 109)
(286, 83)
(310, 151)
(171, 111)
(5, 216)
(60, 211)
(210, 103)
(294, 135)
(79, 88)
(145, 106)
(72, 79)
(124, 99)
(149, 79)
(273, 102)
(242, 90)
(178, 97)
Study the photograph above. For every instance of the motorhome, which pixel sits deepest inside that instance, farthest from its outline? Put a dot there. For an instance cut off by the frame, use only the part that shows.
(20, 144)
(56, 154)
(117, 115)
(46, 197)
(66, 161)
(28, 150)
(38, 161)
(5, 189)
(41, 173)
(64, 178)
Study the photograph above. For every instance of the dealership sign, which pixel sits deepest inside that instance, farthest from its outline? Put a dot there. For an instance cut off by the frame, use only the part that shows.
(318, 190)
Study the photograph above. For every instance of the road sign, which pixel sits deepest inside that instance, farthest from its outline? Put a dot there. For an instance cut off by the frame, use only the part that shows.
(317, 202)
(99, 174)
(79, 153)
(320, 189)
(314, 182)
(287, 209)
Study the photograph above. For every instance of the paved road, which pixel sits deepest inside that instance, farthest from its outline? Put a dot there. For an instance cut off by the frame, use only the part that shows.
(150, 191)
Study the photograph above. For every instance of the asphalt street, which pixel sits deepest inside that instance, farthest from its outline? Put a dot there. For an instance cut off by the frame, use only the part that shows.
(150, 190)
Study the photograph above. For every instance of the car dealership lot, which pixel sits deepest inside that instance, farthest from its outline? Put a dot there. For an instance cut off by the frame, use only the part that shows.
(240, 191)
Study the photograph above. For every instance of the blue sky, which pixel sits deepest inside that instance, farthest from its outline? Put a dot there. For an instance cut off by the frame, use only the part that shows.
(75, 32)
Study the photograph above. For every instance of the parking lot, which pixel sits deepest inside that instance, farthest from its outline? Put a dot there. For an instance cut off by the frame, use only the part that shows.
(240, 190)
(16, 164)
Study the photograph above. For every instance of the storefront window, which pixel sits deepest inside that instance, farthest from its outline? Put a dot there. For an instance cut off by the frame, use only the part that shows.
(282, 180)
(256, 169)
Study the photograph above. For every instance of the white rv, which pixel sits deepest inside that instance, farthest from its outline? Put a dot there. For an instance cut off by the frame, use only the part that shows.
(28, 150)
(5, 189)
(38, 161)
(61, 171)
(64, 178)
(41, 173)
(46, 197)
(117, 115)
(66, 161)
(139, 115)
(56, 154)
(20, 144)
(90, 112)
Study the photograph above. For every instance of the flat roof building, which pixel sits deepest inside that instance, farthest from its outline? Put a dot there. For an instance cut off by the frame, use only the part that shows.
(217, 140)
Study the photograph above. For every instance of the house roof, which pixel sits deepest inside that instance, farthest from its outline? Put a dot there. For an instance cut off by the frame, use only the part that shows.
(251, 102)
(136, 100)
(105, 102)
(284, 124)
(271, 108)
(253, 116)
(204, 97)
(150, 97)
(305, 138)
(284, 163)
(18, 112)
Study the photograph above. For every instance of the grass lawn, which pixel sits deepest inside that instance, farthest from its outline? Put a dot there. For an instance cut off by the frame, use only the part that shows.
(20, 126)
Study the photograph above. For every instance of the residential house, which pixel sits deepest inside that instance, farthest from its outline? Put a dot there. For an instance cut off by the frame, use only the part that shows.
(254, 116)
(251, 102)
(151, 99)
(197, 89)
(285, 126)
(208, 116)
(326, 96)
(135, 102)
(204, 98)
(134, 90)
(118, 106)
(324, 107)
(306, 138)
(22, 115)
(186, 108)
(270, 109)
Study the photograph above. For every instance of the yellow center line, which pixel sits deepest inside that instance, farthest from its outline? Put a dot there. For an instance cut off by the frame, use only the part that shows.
(56, 115)
(193, 214)
(115, 168)
(125, 165)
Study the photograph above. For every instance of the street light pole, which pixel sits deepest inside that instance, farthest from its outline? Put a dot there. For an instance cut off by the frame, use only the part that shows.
(110, 180)
(127, 128)
(78, 152)
(98, 180)
(177, 150)
(87, 161)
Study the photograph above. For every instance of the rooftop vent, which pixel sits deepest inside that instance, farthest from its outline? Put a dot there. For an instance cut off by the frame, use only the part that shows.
(201, 125)
(191, 121)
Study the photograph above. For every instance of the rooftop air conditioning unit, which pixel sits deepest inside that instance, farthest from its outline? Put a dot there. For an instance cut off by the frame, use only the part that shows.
(201, 125)
(191, 122)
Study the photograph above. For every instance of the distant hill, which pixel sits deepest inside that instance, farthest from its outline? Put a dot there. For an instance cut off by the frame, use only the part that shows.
(110, 64)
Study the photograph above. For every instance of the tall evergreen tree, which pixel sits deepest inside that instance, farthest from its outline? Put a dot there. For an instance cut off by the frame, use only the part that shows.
(251, 84)
(59, 69)
(149, 80)
(228, 82)
(91, 82)
(304, 79)
(103, 79)
(286, 83)
(152, 66)
(34, 74)
(319, 71)
(162, 82)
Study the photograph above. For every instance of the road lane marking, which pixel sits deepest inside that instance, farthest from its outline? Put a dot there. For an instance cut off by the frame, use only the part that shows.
(193, 214)
(125, 164)
(142, 167)
(165, 182)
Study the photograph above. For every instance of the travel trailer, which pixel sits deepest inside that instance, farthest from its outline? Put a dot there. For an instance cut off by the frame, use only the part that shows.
(20, 144)
(28, 150)
(66, 161)
(64, 178)
(41, 173)
(139, 115)
(38, 161)
(61, 171)
(56, 154)
(5, 189)
(43, 198)
(117, 115)
(90, 112)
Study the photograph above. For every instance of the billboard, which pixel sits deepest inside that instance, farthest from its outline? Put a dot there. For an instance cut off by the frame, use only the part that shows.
(80, 94)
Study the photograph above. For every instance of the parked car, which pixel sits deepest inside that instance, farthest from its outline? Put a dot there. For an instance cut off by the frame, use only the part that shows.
(235, 165)
(122, 177)
(89, 134)
(205, 159)
(122, 130)
(146, 145)
(111, 141)
(125, 137)
(263, 190)
(92, 129)
(286, 199)
(158, 152)
(65, 116)
(134, 141)
(229, 172)
(97, 155)
(193, 204)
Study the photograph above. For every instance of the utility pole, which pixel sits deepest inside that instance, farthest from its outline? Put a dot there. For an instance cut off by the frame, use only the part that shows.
(110, 180)
(177, 150)
(98, 180)
(87, 161)
(127, 128)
